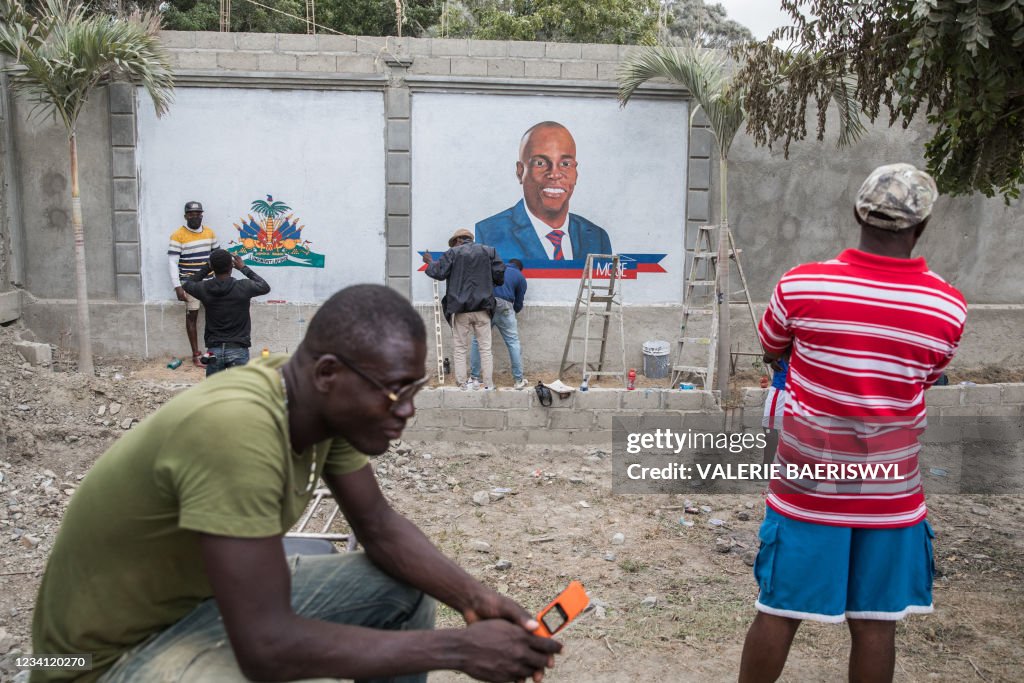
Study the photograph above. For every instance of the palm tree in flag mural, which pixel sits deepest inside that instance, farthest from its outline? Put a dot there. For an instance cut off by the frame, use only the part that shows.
(706, 75)
(61, 54)
(270, 210)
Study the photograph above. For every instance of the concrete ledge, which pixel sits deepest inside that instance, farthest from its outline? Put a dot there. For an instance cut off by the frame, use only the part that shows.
(280, 327)
(34, 352)
(507, 416)
(974, 400)
(10, 306)
(1013, 393)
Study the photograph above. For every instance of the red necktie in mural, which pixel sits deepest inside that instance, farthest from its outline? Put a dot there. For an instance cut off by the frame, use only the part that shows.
(555, 237)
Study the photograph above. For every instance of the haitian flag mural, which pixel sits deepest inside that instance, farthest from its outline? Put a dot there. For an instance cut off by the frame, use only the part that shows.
(272, 240)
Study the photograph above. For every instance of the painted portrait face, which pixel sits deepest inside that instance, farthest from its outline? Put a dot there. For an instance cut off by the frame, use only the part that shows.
(547, 172)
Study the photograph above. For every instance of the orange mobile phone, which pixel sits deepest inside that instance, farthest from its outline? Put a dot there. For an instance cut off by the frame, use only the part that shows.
(569, 604)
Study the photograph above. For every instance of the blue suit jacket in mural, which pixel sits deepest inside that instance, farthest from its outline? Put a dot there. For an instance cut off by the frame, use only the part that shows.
(511, 233)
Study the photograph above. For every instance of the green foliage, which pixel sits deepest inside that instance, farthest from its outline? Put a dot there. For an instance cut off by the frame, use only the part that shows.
(960, 61)
(702, 72)
(693, 21)
(353, 17)
(66, 53)
(565, 21)
(570, 21)
(204, 15)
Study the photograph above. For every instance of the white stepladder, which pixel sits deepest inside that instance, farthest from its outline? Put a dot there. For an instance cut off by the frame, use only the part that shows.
(603, 299)
(696, 351)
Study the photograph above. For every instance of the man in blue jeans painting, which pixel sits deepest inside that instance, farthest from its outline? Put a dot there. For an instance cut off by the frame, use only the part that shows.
(169, 564)
(509, 301)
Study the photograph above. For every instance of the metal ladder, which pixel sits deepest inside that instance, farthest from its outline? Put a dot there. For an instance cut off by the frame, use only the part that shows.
(609, 294)
(439, 347)
(701, 298)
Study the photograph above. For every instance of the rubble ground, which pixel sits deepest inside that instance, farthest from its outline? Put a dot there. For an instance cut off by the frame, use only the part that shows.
(672, 590)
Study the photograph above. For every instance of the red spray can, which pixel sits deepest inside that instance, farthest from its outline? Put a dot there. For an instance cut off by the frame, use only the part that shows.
(631, 379)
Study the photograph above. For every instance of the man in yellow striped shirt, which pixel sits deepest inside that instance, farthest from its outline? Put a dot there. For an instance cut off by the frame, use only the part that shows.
(188, 253)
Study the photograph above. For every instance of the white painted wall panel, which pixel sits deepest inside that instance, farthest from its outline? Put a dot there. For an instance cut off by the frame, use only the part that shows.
(632, 177)
(319, 152)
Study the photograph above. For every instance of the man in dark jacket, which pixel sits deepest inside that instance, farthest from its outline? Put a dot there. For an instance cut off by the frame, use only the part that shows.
(471, 272)
(226, 299)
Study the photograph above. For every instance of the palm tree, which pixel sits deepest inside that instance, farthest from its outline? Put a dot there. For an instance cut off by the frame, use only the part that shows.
(62, 54)
(269, 208)
(704, 73)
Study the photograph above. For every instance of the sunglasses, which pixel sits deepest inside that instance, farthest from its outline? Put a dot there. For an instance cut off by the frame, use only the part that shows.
(405, 393)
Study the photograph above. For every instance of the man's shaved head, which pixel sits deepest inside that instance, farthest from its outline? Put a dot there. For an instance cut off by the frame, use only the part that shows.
(543, 125)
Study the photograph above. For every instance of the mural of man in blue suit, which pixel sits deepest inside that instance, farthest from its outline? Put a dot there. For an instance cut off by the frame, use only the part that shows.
(537, 227)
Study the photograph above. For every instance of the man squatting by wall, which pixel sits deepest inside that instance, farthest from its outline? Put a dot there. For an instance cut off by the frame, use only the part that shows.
(169, 563)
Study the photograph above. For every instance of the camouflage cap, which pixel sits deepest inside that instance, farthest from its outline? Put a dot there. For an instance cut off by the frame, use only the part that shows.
(896, 196)
(193, 206)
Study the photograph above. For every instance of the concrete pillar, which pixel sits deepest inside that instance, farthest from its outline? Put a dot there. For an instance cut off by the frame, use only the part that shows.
(398, 148)
(125, 200)
(12, 240)
(698, 177)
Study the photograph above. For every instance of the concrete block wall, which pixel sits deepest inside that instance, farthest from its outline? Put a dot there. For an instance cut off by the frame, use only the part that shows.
(782, 211)
(407, 65)
(979, 400)
(585, 418)
(326, 53)
(516, 417)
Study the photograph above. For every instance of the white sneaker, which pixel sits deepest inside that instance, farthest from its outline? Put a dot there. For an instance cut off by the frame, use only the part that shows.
(521, 384)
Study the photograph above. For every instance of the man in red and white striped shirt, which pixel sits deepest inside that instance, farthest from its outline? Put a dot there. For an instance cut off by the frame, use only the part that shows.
(868, 332)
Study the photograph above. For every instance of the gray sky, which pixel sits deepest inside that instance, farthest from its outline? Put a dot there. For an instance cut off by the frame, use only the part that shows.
(760, 16)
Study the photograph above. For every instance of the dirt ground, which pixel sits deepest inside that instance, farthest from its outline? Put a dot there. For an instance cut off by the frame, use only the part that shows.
(672, 602)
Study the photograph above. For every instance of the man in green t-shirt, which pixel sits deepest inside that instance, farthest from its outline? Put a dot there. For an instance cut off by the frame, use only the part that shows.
(169, 564)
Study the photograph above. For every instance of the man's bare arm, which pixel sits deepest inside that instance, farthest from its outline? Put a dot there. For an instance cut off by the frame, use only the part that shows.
(252, 585)
(771, 358)
(399, 548)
